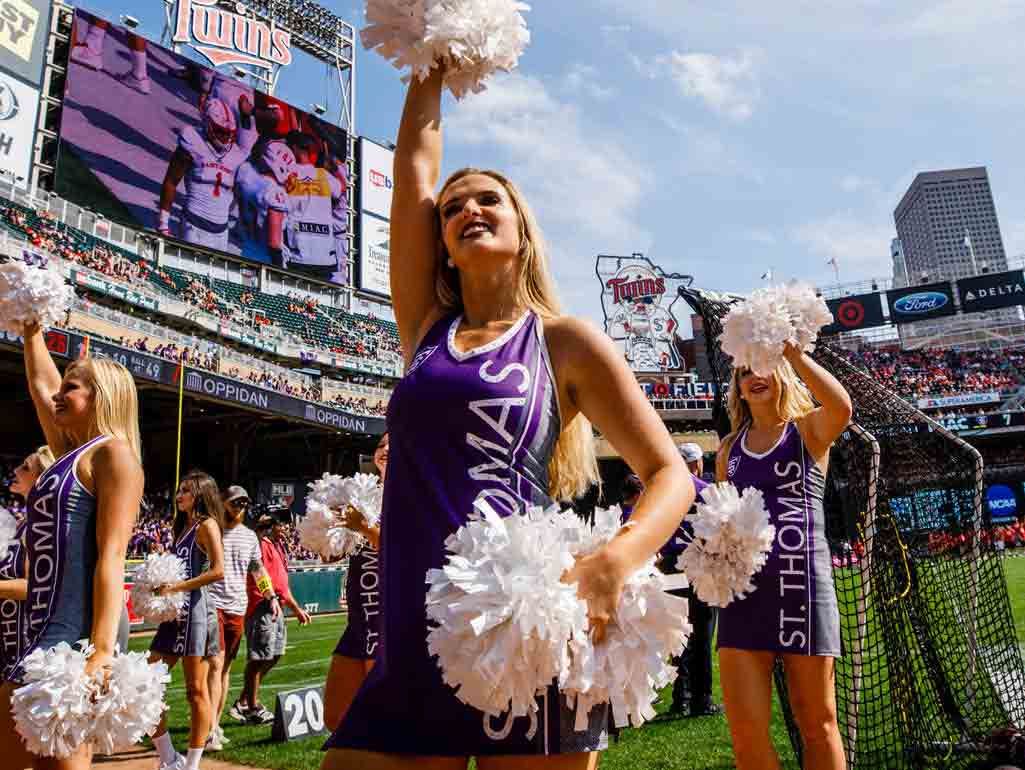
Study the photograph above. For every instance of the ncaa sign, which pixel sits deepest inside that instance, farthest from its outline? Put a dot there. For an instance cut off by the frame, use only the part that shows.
(1001, 502)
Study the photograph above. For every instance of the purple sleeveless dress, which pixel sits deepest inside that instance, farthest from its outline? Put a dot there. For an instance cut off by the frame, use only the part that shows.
(60, 543)
(194, 633)
(462, 426)
(793, 610)
(12, 567)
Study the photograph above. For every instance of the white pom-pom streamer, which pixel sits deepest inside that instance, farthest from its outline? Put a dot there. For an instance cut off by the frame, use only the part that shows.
(29, 293)
(53, 710)
(504, 617)
(757, 330)
(507, 625)
(632, 664)
(320, 530)
(8, 531)
(60, 708)
(472, 39)
(732, 541)
(129, 704)
(159, 569)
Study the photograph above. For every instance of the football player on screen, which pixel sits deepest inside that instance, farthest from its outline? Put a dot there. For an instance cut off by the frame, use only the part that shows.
(208, 161)
(263, 201)
(317, 201)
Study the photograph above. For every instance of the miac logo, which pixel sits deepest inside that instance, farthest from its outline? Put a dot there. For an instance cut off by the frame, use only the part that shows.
(225, 37)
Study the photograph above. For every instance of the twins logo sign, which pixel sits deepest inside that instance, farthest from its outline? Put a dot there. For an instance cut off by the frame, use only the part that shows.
(637, 315)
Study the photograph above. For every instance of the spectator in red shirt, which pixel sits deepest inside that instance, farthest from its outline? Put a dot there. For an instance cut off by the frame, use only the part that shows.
(266, 634)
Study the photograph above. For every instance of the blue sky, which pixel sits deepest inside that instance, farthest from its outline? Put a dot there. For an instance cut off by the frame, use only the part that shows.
(724, 138)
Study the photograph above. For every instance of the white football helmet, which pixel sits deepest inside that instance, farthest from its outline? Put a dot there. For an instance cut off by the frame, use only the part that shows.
(278, 160)
(219, 125)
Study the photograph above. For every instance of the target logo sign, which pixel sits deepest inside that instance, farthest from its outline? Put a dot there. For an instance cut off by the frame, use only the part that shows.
(850, 314)
(859, 311)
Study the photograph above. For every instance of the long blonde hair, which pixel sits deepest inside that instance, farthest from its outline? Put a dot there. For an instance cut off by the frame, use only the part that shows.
(573, 467)
(794, 402)
(42, 458)
(115, 401)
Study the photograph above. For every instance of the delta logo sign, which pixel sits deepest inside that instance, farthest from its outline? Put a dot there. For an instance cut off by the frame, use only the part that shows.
(922, 302)
(226, 37)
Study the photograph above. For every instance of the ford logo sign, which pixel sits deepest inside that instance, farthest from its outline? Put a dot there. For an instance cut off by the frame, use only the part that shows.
(922, 302)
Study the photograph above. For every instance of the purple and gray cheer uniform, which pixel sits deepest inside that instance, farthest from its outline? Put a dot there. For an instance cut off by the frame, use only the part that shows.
(363, 598)
(194, 632)
(793, 609)
(480, 424)
(60, 544)
(12, 567)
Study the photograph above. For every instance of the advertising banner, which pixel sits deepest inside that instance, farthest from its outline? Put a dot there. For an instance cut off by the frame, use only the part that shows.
(991, 291)
(1002, 503)
(861, 311)
(23, 28)
(918, 303)
(375, 176)
(374, 255)
(963, 399)
(639, 301)
(213, 386)
(19, 107)
(156, 141)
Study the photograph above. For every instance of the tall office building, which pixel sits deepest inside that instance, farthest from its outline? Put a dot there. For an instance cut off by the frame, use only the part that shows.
(942, 218)
(947, 228)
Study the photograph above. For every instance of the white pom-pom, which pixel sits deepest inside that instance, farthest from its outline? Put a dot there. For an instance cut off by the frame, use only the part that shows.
(472, 38)
(320, 530)
(8, 531)
(159, 569)
(507, 625)
(732, 541)
(29, 293)
(53, 710)
(757, 330)
(632, 663)
(130, 703)
(504, 617)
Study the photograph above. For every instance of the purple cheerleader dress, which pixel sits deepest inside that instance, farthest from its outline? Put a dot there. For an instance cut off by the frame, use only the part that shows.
(464, 425)
(793, 609)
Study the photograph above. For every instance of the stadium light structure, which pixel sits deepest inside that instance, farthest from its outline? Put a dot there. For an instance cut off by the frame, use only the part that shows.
(129, 21)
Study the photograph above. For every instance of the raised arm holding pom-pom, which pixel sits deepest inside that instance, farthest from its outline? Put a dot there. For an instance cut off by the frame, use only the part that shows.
(497, 404)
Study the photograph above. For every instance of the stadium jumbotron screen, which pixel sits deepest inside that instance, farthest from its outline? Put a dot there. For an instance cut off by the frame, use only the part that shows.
(156, 141)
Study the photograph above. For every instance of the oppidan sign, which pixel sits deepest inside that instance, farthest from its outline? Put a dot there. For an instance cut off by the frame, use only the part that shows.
(226, 37)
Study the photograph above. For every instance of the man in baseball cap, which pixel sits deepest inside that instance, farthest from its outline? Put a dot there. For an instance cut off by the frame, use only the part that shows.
(694, 456)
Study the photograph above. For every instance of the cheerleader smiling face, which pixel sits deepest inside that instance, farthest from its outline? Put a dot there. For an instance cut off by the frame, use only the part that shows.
(478, 220)
(758, 390)
(185, 499)
(25, 476)
(381, 456)
(73, 403)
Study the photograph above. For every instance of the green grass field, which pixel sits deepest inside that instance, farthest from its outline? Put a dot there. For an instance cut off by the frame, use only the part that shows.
(689, 744)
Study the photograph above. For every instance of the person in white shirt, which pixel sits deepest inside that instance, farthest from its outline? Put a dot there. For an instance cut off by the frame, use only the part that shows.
(241, 558)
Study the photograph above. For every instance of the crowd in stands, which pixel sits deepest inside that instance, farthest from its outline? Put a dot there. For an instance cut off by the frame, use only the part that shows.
(361, 405)
(920, 373)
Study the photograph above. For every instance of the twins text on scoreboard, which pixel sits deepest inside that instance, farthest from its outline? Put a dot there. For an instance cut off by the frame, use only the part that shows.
(225, 37)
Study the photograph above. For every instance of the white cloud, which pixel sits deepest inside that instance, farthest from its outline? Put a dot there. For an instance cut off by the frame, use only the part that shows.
(582, 181)
(728, 85)
(583, 78)
(854, 183)
(860, 244)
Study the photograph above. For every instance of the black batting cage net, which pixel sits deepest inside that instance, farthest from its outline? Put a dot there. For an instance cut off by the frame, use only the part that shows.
(931, 674)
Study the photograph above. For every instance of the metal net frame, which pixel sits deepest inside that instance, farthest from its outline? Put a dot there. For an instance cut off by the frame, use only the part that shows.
(931, 673)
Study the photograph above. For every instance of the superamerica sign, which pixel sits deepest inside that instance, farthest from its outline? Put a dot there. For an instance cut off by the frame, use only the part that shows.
(638, 313)
(226, 37)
